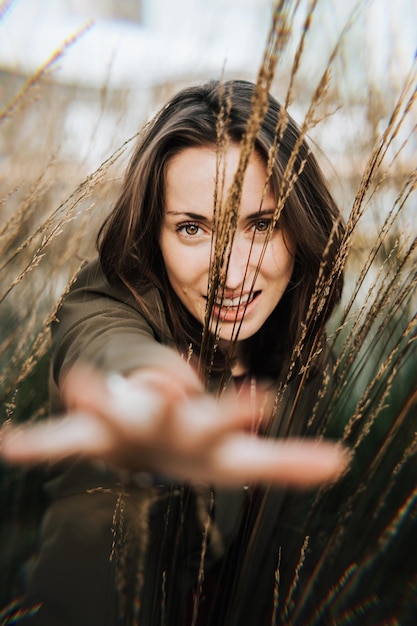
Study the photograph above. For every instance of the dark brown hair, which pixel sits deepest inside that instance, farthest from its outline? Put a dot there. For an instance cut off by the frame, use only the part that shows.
(129, 238)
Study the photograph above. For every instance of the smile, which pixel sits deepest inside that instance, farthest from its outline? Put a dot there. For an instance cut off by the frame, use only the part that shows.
(235, 309)
(239, 301)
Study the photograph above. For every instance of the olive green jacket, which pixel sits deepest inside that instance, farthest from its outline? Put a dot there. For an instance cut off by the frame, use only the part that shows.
(116, 549)
(106, 327)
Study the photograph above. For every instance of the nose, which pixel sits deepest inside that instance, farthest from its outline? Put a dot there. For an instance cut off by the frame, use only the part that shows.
(238, 271)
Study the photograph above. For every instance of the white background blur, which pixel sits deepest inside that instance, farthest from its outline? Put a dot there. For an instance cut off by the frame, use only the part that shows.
(142, 50)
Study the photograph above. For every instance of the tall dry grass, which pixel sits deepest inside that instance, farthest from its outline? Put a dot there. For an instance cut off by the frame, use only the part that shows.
(335, 553)
(344, 554)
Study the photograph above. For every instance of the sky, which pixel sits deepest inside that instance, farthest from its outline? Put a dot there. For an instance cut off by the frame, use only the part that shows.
(195, 37)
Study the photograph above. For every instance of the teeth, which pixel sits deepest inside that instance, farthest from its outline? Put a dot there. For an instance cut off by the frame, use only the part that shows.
(239, 301)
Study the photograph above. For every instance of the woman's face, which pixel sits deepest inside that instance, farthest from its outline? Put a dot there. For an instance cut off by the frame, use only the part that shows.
(250, 295)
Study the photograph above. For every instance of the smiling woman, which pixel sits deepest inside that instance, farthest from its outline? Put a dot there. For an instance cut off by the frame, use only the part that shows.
(167, 354)
(260, 264)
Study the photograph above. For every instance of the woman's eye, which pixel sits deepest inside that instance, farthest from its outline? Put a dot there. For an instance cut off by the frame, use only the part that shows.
(189, 229)
(262, 225)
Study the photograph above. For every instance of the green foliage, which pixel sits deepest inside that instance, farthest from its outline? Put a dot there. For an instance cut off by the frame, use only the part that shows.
(22, 497)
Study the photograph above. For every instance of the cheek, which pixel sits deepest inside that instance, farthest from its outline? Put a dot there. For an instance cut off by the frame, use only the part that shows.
(187, 266)
(283, 253)
(185, 270)
(288, 265)
(278, 264)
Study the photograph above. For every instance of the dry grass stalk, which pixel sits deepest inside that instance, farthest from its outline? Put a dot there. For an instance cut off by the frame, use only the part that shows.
(226, 212)
(332, 594)
(54, 225)
(206, 517)
(275, 607)
(22, 98)
(374, 341)
(395, 293)
(289, 605)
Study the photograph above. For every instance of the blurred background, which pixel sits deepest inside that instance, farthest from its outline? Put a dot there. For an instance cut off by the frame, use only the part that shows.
(78, 79)
(136, 52)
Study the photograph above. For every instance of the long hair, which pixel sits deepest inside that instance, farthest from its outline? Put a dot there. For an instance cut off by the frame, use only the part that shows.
(129, 239)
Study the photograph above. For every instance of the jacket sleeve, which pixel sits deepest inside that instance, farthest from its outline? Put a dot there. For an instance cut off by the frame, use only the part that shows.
(105, 327)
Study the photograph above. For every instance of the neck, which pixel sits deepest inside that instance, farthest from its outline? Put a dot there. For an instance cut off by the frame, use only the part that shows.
(236, 357)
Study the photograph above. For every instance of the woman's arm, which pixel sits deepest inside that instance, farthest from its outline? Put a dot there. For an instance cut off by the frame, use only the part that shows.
(153, 414)
(165, 424)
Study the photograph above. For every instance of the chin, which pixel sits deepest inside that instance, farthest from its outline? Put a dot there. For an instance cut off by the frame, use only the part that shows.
(236, 333)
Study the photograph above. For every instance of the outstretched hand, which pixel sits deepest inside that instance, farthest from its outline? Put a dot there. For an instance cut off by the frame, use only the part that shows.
(157, 423)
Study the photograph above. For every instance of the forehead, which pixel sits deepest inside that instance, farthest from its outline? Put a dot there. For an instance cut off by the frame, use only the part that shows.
(195, 174)
(192, 161)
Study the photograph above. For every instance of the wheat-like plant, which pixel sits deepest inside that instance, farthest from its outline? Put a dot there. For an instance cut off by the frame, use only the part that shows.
(344, 554)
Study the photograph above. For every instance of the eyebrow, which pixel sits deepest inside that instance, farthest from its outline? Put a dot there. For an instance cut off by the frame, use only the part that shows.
(259, 214)
(191, 216)
(203, 218)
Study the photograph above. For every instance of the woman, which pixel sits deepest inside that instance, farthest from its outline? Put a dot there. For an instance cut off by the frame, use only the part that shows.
(205, 285)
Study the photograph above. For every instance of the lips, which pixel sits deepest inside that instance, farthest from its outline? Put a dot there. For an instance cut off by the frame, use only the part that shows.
(234, 309)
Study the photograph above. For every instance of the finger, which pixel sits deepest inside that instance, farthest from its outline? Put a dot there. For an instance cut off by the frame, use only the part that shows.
(250, 409)
(55, 439)
(85, 386)
(125, 406)
(208, 420)
(295, 463)
(179, 379)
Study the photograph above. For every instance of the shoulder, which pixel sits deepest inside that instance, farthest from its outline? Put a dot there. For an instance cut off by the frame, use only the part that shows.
(106, 326)
(92, 295)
